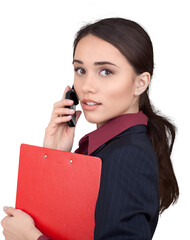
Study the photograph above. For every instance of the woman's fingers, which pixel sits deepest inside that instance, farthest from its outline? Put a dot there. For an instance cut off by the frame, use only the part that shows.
(60, 110)
(61, 115)
(57, 120)
(58, 134)
(62, 119)
(9, 211)
(66, 89)
(63, 111)
(63, 103)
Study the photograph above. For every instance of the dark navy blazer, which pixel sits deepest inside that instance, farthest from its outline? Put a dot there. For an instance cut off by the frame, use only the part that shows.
(127, 207)
(128, 203)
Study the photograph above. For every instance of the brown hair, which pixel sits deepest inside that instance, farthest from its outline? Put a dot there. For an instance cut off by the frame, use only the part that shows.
(135, 44)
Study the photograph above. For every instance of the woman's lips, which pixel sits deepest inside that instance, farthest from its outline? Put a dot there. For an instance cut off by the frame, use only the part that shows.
(89, 104)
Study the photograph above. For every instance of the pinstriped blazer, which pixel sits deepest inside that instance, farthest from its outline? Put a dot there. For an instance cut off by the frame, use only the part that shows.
(128, 203)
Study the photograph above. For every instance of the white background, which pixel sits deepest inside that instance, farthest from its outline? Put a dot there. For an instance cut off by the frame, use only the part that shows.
(36, 40)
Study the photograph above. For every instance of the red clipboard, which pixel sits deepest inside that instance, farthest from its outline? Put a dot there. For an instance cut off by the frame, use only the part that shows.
(59, 190)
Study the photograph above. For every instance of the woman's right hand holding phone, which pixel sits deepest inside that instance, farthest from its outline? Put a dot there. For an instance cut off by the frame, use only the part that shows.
(58, 135)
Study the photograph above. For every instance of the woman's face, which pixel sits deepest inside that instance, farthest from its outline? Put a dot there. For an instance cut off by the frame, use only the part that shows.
(104, 80)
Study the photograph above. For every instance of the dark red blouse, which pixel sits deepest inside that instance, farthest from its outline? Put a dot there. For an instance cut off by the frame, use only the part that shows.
(90, 142)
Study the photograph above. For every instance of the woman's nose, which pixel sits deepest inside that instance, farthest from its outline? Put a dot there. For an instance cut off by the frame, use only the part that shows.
(89, 84)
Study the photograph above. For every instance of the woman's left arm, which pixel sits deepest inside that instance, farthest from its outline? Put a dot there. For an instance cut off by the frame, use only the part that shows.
(128, 203)
(18, 225)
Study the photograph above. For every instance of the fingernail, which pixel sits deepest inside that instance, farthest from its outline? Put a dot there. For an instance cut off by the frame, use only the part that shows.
(71, 110)
(70, 101)
(5, 208)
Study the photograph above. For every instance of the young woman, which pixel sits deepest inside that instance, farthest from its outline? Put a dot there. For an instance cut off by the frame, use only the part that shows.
(113, 64)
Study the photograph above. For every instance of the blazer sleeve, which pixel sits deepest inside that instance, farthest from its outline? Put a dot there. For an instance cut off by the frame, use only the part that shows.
(43, 237)
(128, 195)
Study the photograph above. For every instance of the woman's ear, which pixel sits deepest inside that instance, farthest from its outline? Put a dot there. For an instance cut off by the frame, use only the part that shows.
(142, 82)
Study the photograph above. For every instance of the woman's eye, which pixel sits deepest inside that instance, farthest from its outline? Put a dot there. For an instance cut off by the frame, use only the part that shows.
(106, 72)
(80, 71)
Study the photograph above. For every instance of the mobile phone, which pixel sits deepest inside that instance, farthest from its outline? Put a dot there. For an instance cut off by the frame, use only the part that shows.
(71, 94)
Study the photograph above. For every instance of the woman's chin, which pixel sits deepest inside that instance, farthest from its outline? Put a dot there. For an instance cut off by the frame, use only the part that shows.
(92, 119)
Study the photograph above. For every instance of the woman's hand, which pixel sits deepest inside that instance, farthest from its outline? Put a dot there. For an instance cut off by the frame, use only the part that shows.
(18, 225)
(58, 134)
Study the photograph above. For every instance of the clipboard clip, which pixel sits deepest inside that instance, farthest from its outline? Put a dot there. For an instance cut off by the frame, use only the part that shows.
(45, 156)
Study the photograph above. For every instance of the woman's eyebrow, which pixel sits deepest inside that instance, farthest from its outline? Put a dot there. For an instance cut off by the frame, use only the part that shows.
(78, 61)
(96, 63)
(105, 63)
